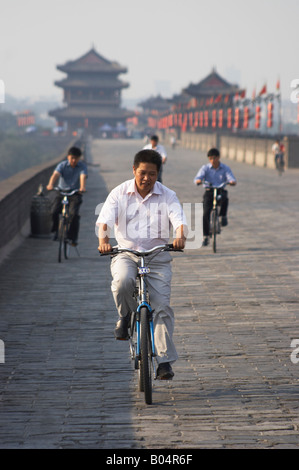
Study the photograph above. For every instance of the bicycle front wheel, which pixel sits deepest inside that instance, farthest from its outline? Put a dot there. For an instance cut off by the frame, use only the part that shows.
(146, 356)
(214, 229)
(66, 246)
(60, 237)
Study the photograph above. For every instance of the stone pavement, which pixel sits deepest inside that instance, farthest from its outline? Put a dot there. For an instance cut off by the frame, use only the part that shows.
(66, 383)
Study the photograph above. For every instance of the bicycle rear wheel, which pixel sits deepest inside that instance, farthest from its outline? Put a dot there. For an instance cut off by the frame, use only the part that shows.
(146, 356)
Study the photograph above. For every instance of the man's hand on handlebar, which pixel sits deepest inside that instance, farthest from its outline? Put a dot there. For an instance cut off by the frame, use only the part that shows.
(179, 243)
(180, 239)
(105, 248)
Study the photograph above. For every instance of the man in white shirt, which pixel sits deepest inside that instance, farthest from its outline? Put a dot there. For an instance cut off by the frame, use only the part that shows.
(141, 210)
(154, 145)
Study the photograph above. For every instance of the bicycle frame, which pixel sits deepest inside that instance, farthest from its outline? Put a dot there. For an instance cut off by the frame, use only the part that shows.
(215, 229)
(65, 204)
(65, 221)
(144, 302)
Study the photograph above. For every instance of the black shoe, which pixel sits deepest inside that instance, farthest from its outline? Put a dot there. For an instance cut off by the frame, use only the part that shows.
(165, 371)
(121, 328)
(205, 241)
(224, 221)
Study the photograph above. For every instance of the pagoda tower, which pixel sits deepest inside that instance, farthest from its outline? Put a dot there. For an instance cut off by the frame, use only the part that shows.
(92, 94)
(212, 88)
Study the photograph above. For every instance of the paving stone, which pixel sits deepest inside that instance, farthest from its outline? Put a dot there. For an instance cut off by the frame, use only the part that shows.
(66, 383)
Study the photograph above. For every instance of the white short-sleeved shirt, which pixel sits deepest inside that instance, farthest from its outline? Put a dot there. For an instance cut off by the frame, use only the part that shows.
(160, 149)
(141, 223)
(276, 148)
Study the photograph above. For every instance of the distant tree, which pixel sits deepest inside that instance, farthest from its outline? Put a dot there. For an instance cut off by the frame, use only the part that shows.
(8, 122)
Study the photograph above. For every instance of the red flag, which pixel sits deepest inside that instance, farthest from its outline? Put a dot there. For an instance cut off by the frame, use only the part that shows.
(278, 85)
(263, 90)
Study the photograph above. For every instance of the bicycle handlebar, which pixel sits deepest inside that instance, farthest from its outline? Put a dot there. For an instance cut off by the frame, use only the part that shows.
(63, 193)
(167, 247)
(210, 186)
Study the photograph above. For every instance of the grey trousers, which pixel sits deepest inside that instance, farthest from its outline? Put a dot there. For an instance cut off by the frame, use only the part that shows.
(124, 271)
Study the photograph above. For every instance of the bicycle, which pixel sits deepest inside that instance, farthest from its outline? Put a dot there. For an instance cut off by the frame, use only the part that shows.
(215, 226)
(63, 225)
(141, 326)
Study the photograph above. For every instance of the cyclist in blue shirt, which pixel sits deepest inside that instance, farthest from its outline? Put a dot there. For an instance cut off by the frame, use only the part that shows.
(71, 174)
(214, 173)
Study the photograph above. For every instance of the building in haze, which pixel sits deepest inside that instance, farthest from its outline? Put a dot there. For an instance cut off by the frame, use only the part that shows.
(92, 94)
(212, 88)
(152, 108)
(209, 104)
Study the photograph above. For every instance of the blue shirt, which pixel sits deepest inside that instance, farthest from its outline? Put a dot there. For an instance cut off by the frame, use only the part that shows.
(70, 177)
(215, 176)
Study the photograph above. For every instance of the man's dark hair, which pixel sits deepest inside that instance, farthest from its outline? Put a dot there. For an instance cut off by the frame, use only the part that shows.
(75, 152)
(213, 152)
(148, 156)
(155, 138)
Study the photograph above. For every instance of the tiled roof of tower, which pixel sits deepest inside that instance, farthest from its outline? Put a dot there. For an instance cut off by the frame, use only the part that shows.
(92, 62)
(212, 84)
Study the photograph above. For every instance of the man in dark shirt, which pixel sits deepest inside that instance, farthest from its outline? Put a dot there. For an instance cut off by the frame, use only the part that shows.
(72, 174)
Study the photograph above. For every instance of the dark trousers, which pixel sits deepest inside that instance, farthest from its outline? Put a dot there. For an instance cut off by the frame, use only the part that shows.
(279, 159)
(208, 206)
(74, 204)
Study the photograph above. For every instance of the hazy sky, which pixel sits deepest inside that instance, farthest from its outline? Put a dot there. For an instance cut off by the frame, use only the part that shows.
(166, 43)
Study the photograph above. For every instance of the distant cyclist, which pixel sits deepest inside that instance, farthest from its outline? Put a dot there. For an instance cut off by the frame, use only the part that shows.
(278, 150)
(154, 145)
(214, 173)
(72, 174)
